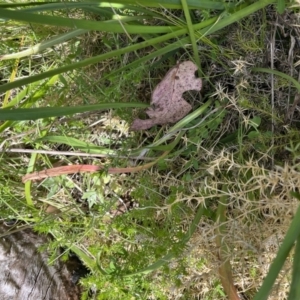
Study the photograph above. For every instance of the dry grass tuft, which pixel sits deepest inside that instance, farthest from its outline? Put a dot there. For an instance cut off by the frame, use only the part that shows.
(259, 213)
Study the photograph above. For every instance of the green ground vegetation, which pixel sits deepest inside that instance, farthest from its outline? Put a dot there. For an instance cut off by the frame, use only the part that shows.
(209, 214)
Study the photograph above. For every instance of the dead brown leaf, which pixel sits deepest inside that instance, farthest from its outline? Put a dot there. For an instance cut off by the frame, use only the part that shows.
(168, 106)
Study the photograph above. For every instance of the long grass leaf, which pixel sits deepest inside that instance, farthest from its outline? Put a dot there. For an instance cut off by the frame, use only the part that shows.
(283, 75)
(281, 6)
(139, 62)
(172, 4)
(202, 32)
(35, 91)
(211, 29)
(85, 62)
(191, 32)
(295, 286)
(87, 261)
(22, 4)
(174, 129)
(104, 10)
(45, 45)
(105, 26)
(27, 187)
(76, 143)
(12, 77)
(290, 238)
(20, 114)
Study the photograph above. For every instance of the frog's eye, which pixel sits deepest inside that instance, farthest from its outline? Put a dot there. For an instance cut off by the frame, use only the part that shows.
(157, 107)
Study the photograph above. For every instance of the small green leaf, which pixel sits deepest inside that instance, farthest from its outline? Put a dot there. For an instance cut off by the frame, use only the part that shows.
(281, 9)
(255, 121)
(253, 134)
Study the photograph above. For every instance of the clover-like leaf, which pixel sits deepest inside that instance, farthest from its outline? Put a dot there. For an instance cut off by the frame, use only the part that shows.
(168, 105)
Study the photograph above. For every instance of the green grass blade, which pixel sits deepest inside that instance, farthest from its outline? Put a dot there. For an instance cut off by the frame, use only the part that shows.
(163, 50)
(174, 129)
(291, 236)
(36, 90)
(175, 4)
(281, 6)
(104, 11)
(191, 32)
(89, 262)
(296, 195)
(27, 188)
(168, 147)
(105, 26)
(12, 5)
(21, 114)
(44, 45)
(193, 4)
(211, 29)
(295, 286)
(204, 28)
(76, 143)
(283, 75)
(84, 63)
(71, 5)
(241, 12)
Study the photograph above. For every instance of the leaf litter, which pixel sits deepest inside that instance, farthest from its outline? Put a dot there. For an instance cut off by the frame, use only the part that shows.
(168, 105)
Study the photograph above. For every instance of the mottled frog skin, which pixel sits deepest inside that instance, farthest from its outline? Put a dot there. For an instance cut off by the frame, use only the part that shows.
(25, 273)
(168, 104)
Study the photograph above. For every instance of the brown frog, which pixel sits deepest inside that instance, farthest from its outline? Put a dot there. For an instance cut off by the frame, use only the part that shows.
(168, 106)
